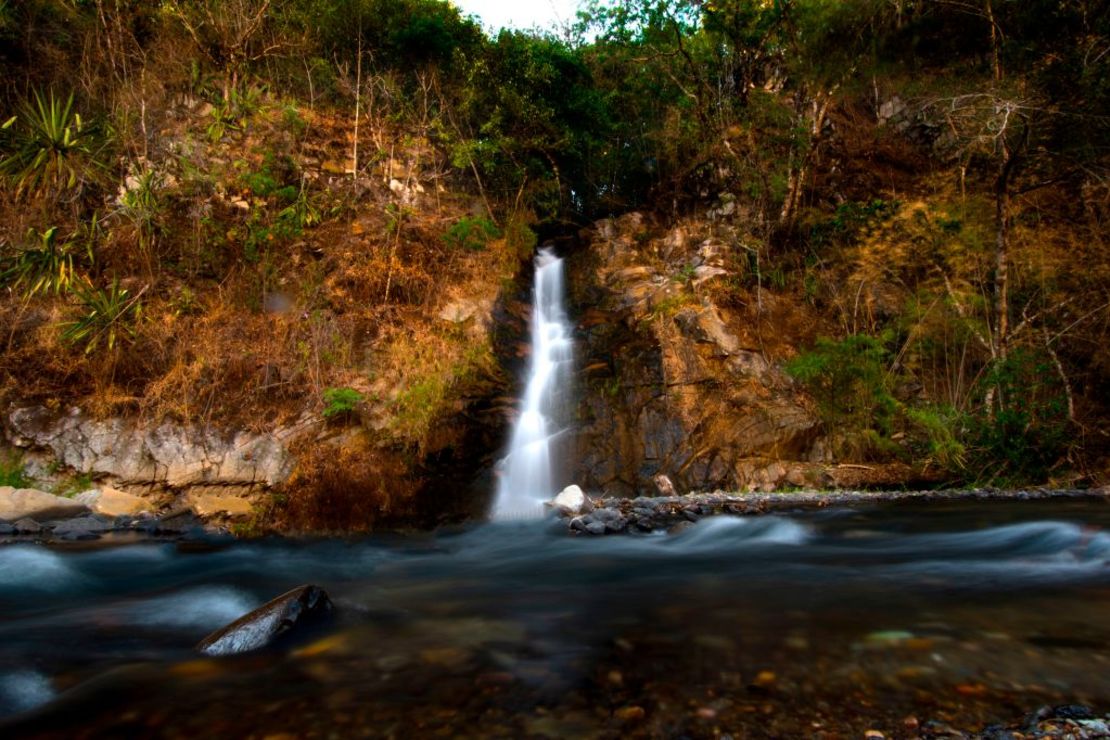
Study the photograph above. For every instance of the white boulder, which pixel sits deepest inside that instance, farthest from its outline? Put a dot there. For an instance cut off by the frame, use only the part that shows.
(572, 502)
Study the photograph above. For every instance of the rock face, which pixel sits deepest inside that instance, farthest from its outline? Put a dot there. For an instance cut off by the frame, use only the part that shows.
(296, 609)
(162, 457)
(675, 384)
(28, 503)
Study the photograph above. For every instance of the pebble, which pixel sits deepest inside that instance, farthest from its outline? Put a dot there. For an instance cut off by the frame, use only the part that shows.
(630, 714)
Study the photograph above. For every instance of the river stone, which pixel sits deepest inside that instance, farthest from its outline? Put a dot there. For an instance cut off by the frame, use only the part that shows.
(20, 503)
(596, 527)
(263, 626)
(84, 528)
(27, 526)
(571, 502)
(112, 502)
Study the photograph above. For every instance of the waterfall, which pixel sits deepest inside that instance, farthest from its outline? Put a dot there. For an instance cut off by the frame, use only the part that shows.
(528, 473)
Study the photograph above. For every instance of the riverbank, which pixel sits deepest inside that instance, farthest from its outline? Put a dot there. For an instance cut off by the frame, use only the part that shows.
(598, 517)
(650, 514)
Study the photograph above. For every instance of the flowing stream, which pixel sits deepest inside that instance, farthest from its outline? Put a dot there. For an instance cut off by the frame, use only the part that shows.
(528, 472)
(839, 620)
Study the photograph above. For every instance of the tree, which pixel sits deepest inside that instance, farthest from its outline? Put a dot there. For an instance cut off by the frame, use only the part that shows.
(233, 33)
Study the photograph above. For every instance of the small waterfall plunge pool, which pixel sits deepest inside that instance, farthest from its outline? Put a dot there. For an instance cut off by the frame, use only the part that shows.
(835, 621)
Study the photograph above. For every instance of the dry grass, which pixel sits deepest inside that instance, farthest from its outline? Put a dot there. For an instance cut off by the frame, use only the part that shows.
(253, 341)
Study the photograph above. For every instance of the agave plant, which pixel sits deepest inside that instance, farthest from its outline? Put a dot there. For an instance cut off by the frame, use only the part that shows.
(110, 316)
(141, 204)
(47, 267)
(51, 147)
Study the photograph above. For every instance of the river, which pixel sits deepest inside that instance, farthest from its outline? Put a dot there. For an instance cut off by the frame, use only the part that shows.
(834, 621)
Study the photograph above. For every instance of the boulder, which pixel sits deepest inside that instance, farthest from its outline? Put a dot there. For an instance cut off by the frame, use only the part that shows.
(295, 610)
(571, 502)
(112, 502)
(29, 503)
(663, 485)
(214, 503)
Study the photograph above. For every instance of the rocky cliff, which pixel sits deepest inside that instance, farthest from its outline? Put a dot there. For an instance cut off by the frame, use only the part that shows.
(681, 355)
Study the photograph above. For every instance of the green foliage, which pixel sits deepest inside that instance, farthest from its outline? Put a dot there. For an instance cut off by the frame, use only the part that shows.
(13, 472)
(849, 219)
(110, 316)
(471, 233)
(537, 121)
(1026, 433)
(302, 213)
(273, 180)
(341, 402)
(46, 267)
(49, 147)
(141, 204)
(71, 486)
(938, 432)
(848, 379)
(520, 237)
(234, 112)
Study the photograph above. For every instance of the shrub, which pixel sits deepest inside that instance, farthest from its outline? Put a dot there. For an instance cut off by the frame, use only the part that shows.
(849, 382)
(471, 234)
(12, 471)
(1027, 431)
(341, 402)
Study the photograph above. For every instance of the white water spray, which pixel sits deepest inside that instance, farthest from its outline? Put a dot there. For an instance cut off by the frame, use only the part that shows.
(527, 474)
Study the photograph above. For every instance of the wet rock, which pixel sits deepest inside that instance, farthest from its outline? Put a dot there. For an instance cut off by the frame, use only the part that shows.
(596, 527)
(20, 503)
(571, 502)
(618, 524)
(680, 527)
(262, 627)
(84, 528)
(28, 526)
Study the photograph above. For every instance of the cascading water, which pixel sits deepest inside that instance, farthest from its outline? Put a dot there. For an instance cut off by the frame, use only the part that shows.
(527, 474)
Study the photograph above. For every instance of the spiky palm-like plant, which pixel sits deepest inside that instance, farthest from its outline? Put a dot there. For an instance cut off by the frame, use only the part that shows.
(51, 148)
(47, 267)
(109, 316)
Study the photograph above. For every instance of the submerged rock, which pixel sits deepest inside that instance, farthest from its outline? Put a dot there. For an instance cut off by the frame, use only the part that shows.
(84, 528)
(296, 609)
